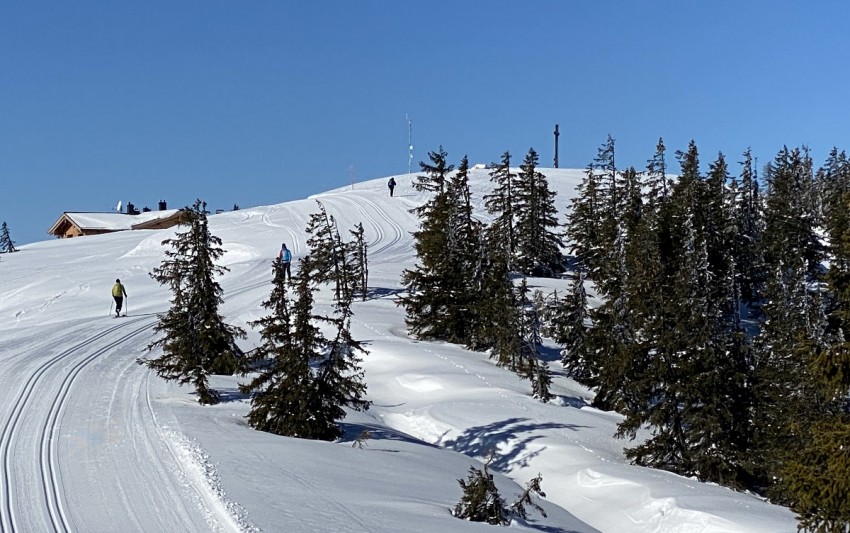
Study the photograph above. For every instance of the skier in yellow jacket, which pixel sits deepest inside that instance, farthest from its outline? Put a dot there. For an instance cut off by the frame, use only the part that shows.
(118, 292)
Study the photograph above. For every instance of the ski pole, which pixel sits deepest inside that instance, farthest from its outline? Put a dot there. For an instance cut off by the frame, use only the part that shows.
(126, 304)
(110, 308)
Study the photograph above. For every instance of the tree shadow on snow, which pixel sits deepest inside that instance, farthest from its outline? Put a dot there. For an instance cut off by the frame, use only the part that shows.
(351, 432)
(230, 394)
(481, 441)
(550, 354)
(382, 292)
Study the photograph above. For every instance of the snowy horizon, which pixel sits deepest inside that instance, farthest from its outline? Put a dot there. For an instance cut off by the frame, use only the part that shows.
(92, 441)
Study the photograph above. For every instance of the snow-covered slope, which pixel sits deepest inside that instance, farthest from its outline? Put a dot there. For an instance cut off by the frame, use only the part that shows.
(91, 441)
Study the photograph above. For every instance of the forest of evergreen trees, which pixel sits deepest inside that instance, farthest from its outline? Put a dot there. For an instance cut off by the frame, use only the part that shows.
(726, 298)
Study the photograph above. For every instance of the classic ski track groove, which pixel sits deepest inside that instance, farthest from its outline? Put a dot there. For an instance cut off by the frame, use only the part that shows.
(47, 459)
(397, 230)
(335, 199)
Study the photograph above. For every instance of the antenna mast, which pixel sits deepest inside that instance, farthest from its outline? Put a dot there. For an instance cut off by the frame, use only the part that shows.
(556, 145)
(409, 144)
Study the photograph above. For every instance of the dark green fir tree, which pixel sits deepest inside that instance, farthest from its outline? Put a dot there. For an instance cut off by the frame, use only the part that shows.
(6, 242)
(358, 253)
(428, 295)
(538, 242)
(196, 341)
(500, 204)
(282, 391)
(571, 323)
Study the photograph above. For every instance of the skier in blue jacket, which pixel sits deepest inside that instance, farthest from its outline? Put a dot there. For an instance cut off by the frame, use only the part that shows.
(286, 258)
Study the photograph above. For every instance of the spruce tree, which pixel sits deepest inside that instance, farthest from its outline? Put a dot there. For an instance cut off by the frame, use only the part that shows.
(584, 225)
(500, 203)
(481, 501)
(790, 219)
(819, 478)
(338, 380)
(656, 181)
(329, 259)
(282, 391)
(6, 242)
(497, 316)
(427, 294)
(532, 365)
(815, 478)
(461, 260)
(196, 341)
(786, 399)
(439, 302)
(747, 247)
(358, 253)
(537, 241)
(572, 321)
(834, 180)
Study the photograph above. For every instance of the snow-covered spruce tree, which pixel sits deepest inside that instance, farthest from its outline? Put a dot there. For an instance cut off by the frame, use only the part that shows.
(788, 399)
(282, 392)
(500, 203)
(538, 243)
(791, 221)
(747, 212)
(196, 341)
(656, 182)
(834, 181)
(6, 242)
(339, 379)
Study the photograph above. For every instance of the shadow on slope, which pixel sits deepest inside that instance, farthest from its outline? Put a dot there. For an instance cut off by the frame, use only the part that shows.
(352, 432)
(512, 436)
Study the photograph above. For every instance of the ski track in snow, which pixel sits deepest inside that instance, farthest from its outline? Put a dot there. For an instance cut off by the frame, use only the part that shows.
(377, 227)
(48, 470)
(294, 245)
(54, 380)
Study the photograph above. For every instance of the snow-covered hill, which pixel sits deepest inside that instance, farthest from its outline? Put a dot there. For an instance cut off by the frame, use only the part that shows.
(91, 441)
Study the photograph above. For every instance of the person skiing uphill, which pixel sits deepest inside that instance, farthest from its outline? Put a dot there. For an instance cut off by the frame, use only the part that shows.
(391, 185)
(118, 293)
(285, 257)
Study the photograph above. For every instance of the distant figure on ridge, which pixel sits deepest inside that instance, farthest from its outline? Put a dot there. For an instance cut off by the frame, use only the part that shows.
(285, 257)
(391, 185)
(118, 293)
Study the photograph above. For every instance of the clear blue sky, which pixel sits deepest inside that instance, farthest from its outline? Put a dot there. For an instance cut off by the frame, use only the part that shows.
(259, 102)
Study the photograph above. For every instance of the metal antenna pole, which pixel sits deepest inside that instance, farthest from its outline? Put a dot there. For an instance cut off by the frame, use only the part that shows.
(409, 144)
(556, 145)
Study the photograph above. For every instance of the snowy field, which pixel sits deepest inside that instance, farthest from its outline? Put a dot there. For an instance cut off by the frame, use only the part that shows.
(93, 442)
